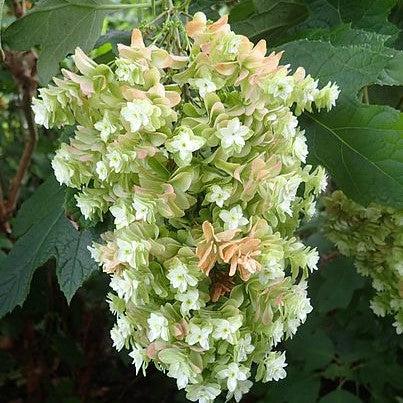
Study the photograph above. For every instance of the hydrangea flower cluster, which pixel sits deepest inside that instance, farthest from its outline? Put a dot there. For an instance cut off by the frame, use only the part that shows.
(200, 161)
(373, 235)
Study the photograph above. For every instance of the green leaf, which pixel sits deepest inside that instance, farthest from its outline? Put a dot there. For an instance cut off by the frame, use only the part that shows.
(58, 27)
(47, 234)
(296, 388)
(208, 7)
(390, 71)
(351, 67)
(74, 263)
(338, 371)
(364, 14)
(340, 396)
(50, 195)
(242, 11)
(114, 38)
(312, 347)
(270, 19)
(340, 282)
(360, 145)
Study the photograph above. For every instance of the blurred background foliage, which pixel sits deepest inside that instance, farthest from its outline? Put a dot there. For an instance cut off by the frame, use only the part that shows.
(54, 352)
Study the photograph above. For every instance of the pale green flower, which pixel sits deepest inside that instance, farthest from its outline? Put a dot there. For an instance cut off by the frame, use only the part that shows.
(233, 374)
(180, 278)
(218, 195)
(143, 211)
(122, 213)
(117, 338)
(377, 308)
(244, 347)
(102, 170)
(203, 393)
(91, 203)
(42, 112)
(225, 329)
(242, 388)
(124, 285)
(183, 145)
(399, 326)
(62, 168)
(300, 147)
(129, 71)
(200, 185)
(116, 160)
(131, 252)
(275, 364)
(138, 354)
(181, 372)
(327, 96)
(279, 86)
(233, 135)
(190, 301)
(203, 85)
(229, 44)
(199, 334)
(138, 114)
(377, 239)
(158, 327)
(105, 127)
(233, 218)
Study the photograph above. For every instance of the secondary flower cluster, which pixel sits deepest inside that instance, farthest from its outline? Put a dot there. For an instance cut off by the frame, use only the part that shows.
(200, 161)
(373, 235)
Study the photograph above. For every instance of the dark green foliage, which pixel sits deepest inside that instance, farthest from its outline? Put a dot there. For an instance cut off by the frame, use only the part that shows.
(346, 141)
(44, 233)
(57, 26)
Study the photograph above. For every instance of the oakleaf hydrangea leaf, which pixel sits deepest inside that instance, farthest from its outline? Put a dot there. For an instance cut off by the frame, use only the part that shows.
(58, 27)
(49, 234)
(361, 145)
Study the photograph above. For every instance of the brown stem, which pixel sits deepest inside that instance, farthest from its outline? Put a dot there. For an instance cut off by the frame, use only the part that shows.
(4, 226)
(22, 66)
(18, 8)
(26, 155)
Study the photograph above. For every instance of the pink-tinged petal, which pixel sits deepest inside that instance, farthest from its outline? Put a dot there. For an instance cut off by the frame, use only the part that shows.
(139, 190)
(233, 266)
(206, 48)
(154, 348)
(299, 74)
(197, 26)
(226, 69)
(244, 49)
(143, 153)
(221, 25)
(134, 53)
(161, 58)
(242, 75)
(173, 97)
(272, 61)
(259, 51)
(86, 85)
(85, 64)
(131, 94)
(237, 173)
(158, 90)
(137, 39)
